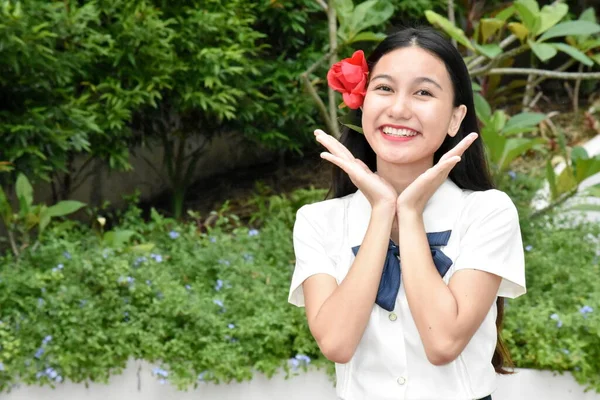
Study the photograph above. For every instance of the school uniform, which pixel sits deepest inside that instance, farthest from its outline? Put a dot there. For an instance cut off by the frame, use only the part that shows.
(390, 361)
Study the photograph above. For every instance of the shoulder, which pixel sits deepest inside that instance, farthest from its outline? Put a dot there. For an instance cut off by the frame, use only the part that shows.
(485, 202)
(323, 215)
(488, 209)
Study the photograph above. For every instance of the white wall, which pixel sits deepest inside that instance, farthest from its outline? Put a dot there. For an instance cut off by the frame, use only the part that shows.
(314, 385)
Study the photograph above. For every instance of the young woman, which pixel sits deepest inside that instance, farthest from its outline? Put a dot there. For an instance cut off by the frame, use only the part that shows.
(403, 272)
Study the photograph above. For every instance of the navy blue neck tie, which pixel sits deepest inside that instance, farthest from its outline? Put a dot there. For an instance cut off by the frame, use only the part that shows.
(389, 286)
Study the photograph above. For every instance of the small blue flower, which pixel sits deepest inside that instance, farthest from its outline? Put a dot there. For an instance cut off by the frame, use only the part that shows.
(231, 326)
(47, 339)
(106, 253)
(59, 379)
(139, 261)
(201, 376)
(512, 174)
(252, 232)
(294, 363)
(219, 285)
(303, 358)
(38, 375)
(1, 367)
(162, 381)
(41, 302)
(160, 296)
(188, 287)
(58, 268)
(556, 318)
(156, 257)
(53, 374)
(566, 351)
(218, 302)
(148, 282)
(161, 372)
(585, 310)
(39, 353)
(67, 255)
(225, 262)
(248, 257)
(212, 239)
(173, 235)
(82, 303)
(528, 247)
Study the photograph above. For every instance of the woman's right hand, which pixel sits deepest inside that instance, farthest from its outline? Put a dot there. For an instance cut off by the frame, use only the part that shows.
(377, 190)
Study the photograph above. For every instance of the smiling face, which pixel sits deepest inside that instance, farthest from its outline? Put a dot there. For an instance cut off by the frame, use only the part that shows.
(408, 109)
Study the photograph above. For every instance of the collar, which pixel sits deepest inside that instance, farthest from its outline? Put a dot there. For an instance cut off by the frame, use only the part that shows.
(440, 213)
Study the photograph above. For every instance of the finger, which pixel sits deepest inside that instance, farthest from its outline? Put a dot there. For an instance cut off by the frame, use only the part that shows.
(340, 162)
(362, 164)
(461, 147)
(333, 145)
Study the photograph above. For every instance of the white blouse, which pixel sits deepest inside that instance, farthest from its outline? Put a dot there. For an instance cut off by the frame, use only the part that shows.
(390, 361)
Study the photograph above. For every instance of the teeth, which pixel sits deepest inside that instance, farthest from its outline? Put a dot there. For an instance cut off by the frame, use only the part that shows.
(398, 132)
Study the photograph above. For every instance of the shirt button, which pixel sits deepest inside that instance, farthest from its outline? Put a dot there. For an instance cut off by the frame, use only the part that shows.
(401, 380)
(393, 316)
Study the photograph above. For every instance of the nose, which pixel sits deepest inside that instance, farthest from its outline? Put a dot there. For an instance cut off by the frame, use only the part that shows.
(400, 109)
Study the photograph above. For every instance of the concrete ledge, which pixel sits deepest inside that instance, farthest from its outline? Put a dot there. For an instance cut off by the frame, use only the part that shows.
(525, 384)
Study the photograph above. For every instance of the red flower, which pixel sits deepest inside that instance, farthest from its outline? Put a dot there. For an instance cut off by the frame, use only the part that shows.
(349, 77)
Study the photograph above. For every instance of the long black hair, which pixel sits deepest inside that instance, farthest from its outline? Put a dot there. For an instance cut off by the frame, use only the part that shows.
(471, 173)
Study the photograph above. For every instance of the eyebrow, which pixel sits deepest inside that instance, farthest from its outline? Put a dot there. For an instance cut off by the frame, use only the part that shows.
(416, 80)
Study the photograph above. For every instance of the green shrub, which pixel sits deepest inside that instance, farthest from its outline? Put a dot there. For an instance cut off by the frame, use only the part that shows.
(212, 304)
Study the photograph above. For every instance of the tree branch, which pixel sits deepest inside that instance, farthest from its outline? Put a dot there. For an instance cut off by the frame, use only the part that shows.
(321, 106)
(503, 45)
(452, 18)
(544, 73)
(323, 4)
(501, 57)
(332, 23)
(561, 199)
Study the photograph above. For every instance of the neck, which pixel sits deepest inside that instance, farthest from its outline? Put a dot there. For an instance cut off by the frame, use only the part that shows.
(402, 175)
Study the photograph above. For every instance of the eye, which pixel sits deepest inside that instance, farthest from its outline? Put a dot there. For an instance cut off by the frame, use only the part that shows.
(424, 93)
(385, 88)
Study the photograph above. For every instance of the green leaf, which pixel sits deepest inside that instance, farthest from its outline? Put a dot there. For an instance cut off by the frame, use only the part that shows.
(368, 37)
(475, 86)
(588, 15)
(519, 30)
(596, 57)
(522, 121)
(351, 122)
(551, 15)
(506, 13)
(589, 45)
(5, 208)
(44, 218)
(117, 238)
(516, 147)
(343, 10)
(573, 52)
(585, 207)
(24, 193)
(64, 208)
(565, 181)
(489, 50)
(494, 144)
(498, 120)
(584, 168)
(579, 153)
(370, 13)
(571, 28)
(528, 11)
(489, 26)
(551, 178)
(482, 108)
(543, 51)
(448, 27)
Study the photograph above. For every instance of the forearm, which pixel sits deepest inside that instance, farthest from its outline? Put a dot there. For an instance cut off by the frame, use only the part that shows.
(432, 304)
(343, 317)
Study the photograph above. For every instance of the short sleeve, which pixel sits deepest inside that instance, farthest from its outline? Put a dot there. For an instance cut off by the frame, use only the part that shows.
(491, 241)
(311, 256)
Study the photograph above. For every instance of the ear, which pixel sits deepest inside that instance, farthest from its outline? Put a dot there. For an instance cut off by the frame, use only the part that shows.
(458, 114)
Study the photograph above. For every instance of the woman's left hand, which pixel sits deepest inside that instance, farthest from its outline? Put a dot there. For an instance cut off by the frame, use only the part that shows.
(415, 196)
